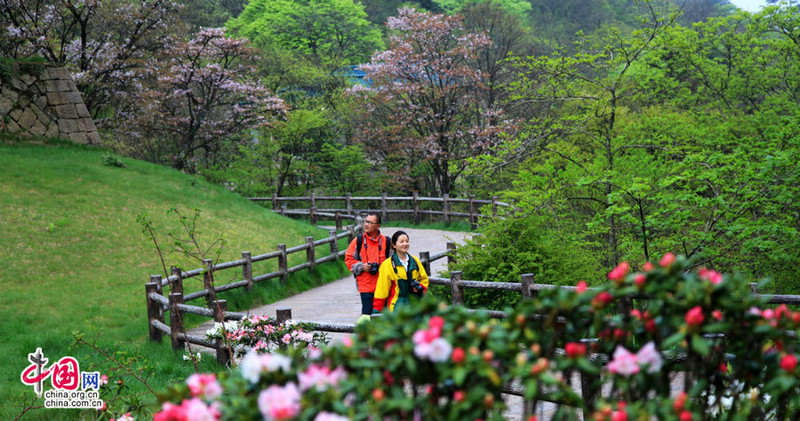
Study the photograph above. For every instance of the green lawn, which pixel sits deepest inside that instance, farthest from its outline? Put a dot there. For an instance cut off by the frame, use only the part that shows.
(76, 260)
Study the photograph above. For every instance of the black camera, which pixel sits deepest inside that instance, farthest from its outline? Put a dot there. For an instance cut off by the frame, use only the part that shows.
(416, 288)
(373, 268)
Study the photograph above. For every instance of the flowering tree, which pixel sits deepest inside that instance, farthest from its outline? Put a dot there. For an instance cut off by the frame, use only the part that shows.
(201, 102)
(107, 46)
(425, 104)
(703, 347)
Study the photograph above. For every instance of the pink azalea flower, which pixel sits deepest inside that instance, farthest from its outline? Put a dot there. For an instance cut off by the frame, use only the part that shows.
(618, 273)
(320, 377)
(205, 386)
(789, 363)
(639, 280)
(581, 287)
(619, 416)
(171, 412)
(440, 350)
(126, 417)
(694, 317)
(347, 341)
(710, 275)
(103, 379)
(650, 357)
(575, 349)
(279, 403)
(624, 362)
(667, 260)
(197, 410)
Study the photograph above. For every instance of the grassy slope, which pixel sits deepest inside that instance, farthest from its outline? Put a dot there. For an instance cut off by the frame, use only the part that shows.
(75, 258)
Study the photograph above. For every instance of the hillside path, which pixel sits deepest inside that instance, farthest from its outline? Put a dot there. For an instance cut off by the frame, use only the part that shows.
(338, 301)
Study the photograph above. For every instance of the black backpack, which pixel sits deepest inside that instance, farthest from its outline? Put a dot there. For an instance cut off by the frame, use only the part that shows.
(360, 243)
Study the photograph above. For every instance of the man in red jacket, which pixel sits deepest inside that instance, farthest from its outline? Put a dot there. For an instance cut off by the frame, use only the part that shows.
(363, 257)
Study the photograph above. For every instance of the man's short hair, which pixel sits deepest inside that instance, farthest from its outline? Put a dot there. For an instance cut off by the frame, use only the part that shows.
(375, 215)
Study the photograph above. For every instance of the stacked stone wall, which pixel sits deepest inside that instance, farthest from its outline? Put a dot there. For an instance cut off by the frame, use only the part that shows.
(42, 100)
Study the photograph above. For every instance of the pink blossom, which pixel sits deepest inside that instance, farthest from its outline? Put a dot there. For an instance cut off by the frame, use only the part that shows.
(650, 357)
(624, 362)
(126, 417)
(620, 415)
(789, 363)
(103, 379)
(197, 410)
(618, 273)
(581, 287)
(347, 341)
(667, 260)
(440, 350)
(639, 280)
(711, 276)
(694, 317)
(279, 403)
(205, 386)
(320, 377)
(171, 412)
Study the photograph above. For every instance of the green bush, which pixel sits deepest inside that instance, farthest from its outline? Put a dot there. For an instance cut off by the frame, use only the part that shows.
(431, 362)
(515, 246)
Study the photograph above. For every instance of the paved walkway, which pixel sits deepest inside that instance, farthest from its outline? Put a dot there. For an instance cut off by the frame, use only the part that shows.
(338, 301)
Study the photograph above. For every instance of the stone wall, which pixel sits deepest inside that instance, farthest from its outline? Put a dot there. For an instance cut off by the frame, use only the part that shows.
(42, 100)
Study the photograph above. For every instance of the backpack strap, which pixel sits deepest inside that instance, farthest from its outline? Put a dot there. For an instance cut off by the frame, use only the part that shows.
(359, 243)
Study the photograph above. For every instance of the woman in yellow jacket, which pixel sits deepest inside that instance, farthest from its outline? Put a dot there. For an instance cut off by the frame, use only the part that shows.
(400, 277)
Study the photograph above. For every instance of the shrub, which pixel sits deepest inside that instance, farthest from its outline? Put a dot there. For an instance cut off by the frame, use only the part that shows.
(428, 361)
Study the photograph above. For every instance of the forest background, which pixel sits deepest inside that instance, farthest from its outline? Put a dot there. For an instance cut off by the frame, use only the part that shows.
(620, 129)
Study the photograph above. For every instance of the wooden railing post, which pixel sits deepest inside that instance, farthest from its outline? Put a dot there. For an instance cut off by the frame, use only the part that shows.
(456, 293)
(494, 205)
(283, 209)
(282, 265)
(473, 220)
(446, 208)
(158, 281)
(416, 208)
(348, 203)
(283, 314)
(312, 210)
(337, 218)
(208, 282)
(589, 390)
(526, 280)
(351, 234)
(451, 247)
(334, 245)
(275, 202)
(154, 310)
(425, 259)
(310, 253)
(247, 270)
(176, 285)
(176, 321)
(383, 207)
(223, 351)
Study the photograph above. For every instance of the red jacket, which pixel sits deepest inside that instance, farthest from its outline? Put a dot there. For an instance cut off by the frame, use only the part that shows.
(373, 250)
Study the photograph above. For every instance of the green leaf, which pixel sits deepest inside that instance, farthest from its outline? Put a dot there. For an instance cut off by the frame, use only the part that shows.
(700, 345)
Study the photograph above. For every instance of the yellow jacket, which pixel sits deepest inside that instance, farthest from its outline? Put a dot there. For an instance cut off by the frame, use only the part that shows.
(389, 291)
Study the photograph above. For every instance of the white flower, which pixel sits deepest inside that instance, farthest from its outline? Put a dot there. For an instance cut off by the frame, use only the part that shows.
(253, 364)
(650, 357)
(440, 350)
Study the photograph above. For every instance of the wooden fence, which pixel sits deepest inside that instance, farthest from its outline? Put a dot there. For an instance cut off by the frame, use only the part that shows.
(450, 207)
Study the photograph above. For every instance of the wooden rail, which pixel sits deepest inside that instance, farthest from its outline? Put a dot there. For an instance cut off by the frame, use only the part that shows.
(415, 208)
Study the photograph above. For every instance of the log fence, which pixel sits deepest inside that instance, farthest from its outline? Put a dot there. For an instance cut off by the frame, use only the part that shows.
(415, 207)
